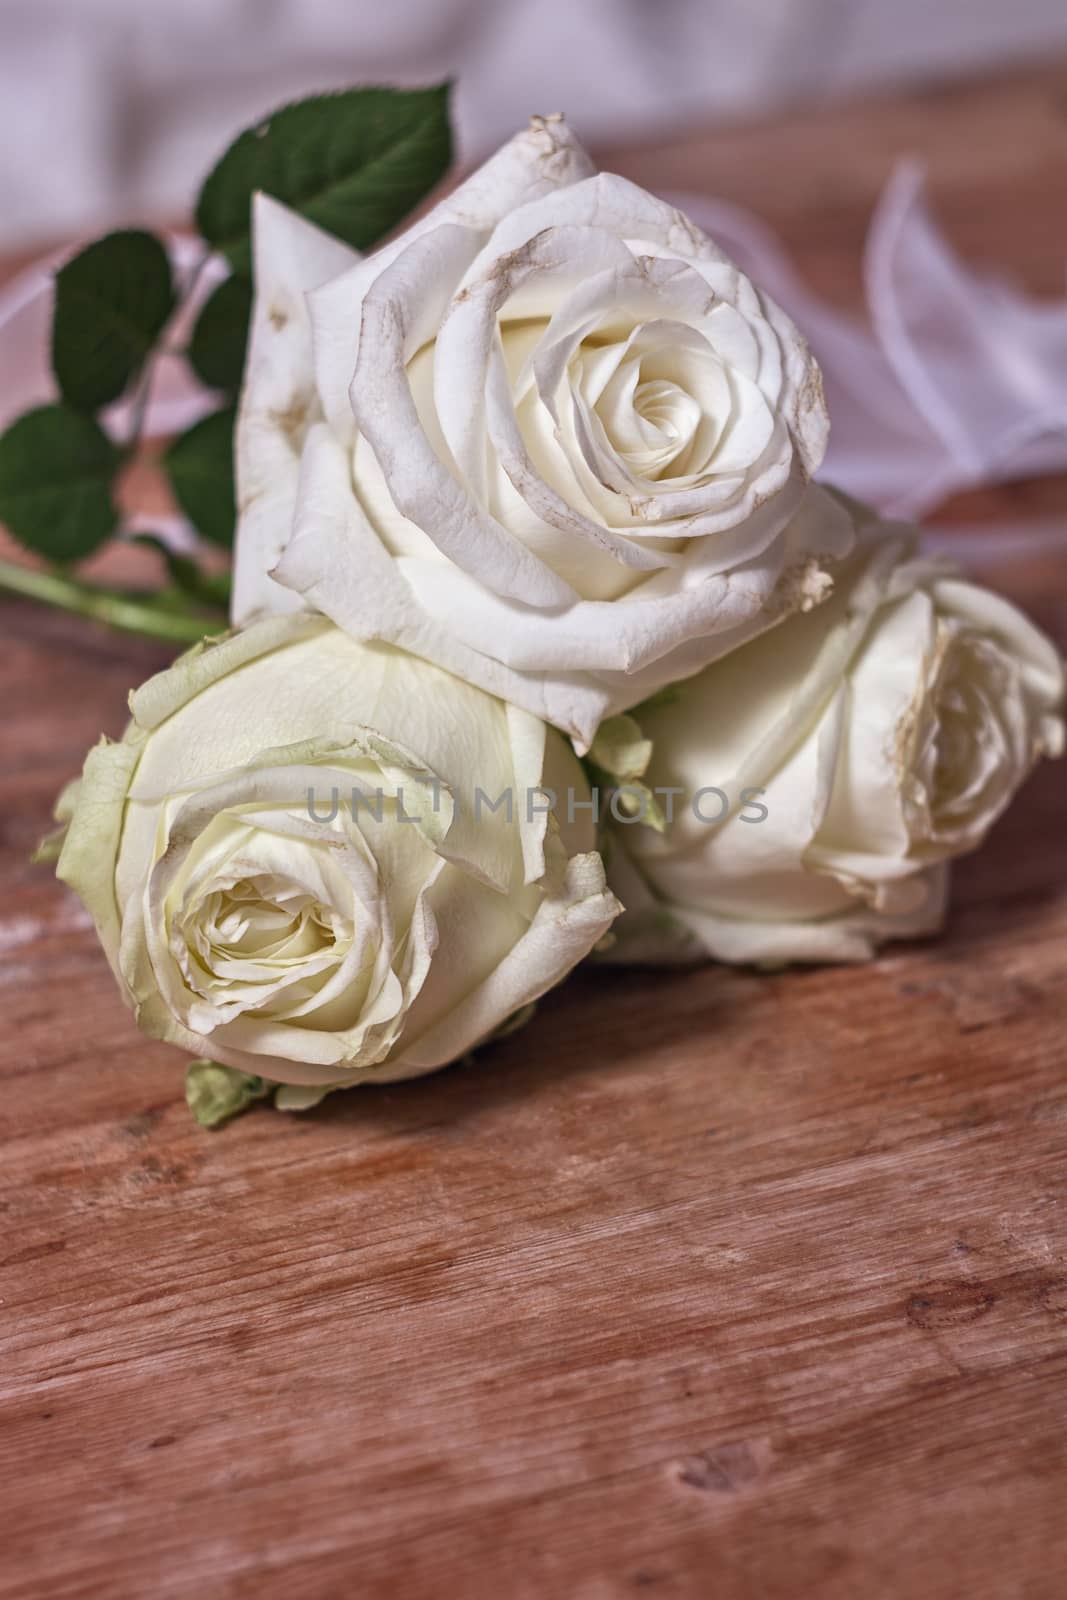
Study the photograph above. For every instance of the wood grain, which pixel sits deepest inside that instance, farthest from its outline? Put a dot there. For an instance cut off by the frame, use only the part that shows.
(708, 1284)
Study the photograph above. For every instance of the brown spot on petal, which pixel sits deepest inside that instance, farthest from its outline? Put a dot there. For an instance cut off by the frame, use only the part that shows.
(293, 421)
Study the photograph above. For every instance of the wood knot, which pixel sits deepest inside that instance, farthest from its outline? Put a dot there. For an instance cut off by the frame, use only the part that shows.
(1052, 1297)
(724, 1469)
(949, 1305)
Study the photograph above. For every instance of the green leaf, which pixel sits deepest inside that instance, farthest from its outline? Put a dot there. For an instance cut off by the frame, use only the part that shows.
(214, 1093)
(210, 589)
(217, 347)
(200, 467)
(112, 303)
(56, 472)
(354, 163)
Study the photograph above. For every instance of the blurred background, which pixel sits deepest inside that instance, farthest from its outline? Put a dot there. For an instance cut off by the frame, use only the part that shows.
(112, 110)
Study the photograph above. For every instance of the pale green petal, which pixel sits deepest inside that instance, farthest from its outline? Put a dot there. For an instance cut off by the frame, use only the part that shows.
(621, 749)
(577, 909)
(90, 849)
(303, 1096)
(211, 660)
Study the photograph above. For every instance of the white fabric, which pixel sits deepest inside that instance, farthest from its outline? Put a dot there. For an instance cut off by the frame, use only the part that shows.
(958, 378)
(111, 109)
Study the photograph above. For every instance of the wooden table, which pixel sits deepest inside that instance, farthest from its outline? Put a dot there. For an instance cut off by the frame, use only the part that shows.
(706, 1285)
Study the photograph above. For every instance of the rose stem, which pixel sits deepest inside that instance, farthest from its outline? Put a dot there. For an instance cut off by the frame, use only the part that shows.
(105, 605)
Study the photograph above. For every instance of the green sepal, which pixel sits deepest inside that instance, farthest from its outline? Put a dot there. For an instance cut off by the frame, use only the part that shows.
(617, 761)
(215, 1093)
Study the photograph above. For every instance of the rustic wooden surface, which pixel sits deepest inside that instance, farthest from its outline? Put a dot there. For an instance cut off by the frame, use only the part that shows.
(705, 1285)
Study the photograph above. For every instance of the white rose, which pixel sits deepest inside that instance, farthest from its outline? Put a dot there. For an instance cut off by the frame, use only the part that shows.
(859, 747)
(292, 872)
(550, 438)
